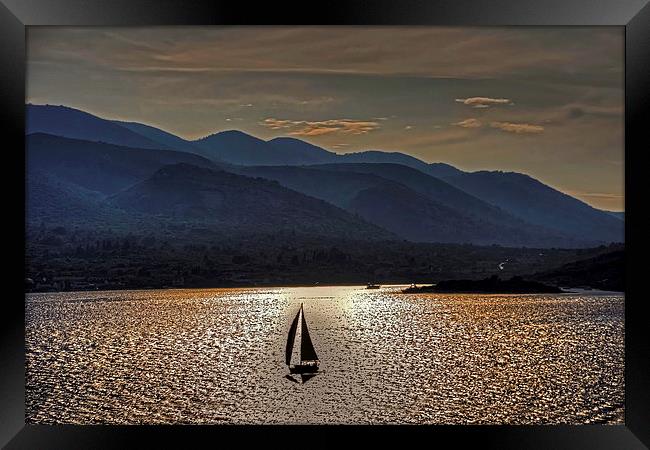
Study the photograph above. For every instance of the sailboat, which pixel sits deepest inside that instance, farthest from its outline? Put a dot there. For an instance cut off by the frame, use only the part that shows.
(308, 363)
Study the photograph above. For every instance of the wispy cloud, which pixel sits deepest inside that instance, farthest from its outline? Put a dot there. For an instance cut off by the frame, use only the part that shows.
(510, 127)
(598, 195)
(469, 123)
(317, 128)
(484, 102)
(593, 56)
(518, 128)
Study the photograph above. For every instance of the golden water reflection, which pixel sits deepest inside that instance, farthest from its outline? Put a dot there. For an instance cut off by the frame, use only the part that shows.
(217, 356)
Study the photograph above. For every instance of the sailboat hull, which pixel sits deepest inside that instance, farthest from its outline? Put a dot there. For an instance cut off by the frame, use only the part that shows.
(304, 368)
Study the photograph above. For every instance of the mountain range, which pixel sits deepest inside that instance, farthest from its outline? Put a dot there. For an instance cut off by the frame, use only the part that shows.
(188, 193)
(232, 179)
(411, 204)
(74, 182)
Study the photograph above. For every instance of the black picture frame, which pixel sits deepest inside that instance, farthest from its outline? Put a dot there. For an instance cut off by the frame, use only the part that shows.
(633, 15)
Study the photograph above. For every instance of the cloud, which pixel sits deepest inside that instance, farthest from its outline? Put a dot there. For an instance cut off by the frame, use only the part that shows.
(593, 56)
(276, 124)
(611, 201)
(469, 123)
(318, 128)
(518, 128)
(510, 127)
(484, 102)
(601, 195)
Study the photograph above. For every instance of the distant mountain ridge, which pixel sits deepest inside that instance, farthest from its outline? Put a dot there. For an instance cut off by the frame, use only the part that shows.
(161, 137)
(376, 156)
(76, 124)
(617, 214)
(537, 203)
(54, 201)
(189, 193)
(513, 209)
(411, 204)
(431, 186)
(232, 146)
(236, 147)
(100, 167)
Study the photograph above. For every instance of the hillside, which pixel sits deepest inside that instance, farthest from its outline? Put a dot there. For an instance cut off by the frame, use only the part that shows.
(53, 201)
(376, 156)
(483, 207)
(193, 194)
(104, 168)
(432, 212)
(539, 204)
(77, 124)
(605, 271)
(165, 139)
(432, 187)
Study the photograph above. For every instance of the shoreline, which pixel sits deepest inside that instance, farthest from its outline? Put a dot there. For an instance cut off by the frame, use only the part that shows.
(565, 290)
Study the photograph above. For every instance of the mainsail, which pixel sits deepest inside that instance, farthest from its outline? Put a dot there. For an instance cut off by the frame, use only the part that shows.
(307, 352)
(292, 336)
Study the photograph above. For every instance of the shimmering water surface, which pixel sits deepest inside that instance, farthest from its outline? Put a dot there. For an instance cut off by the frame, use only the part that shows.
(217, 356)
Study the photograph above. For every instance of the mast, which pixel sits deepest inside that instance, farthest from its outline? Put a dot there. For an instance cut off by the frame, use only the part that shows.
(307, 352)
(292, 336)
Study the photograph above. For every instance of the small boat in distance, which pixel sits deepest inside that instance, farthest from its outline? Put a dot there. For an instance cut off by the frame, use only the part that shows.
(373, 286)
(308, 363)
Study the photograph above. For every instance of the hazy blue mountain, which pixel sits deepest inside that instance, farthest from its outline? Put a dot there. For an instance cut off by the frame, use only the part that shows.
(416, 218)
(432, 187)
(334, 187)
(409, 213)
(190, 193)
(105, 168)
(297, 152)
(233, 147)
(53, 201)
(236, 147)
(537, 203)
(512, 196)
(375, 156)
(441, 170)
(167, 140)
(76, 124)
(618, 214)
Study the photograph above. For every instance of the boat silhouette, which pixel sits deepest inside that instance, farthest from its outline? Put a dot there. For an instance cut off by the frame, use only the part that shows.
(307, 365)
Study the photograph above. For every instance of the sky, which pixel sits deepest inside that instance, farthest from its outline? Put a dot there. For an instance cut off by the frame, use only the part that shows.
(545, 101)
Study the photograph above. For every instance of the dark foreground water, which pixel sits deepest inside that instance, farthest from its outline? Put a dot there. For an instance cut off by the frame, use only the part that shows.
(217, 356)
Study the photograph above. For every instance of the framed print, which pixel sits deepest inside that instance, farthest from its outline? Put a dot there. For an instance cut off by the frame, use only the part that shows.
(370, 217)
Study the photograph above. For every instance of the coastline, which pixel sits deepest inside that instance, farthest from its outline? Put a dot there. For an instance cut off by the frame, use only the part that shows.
(565, 290)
